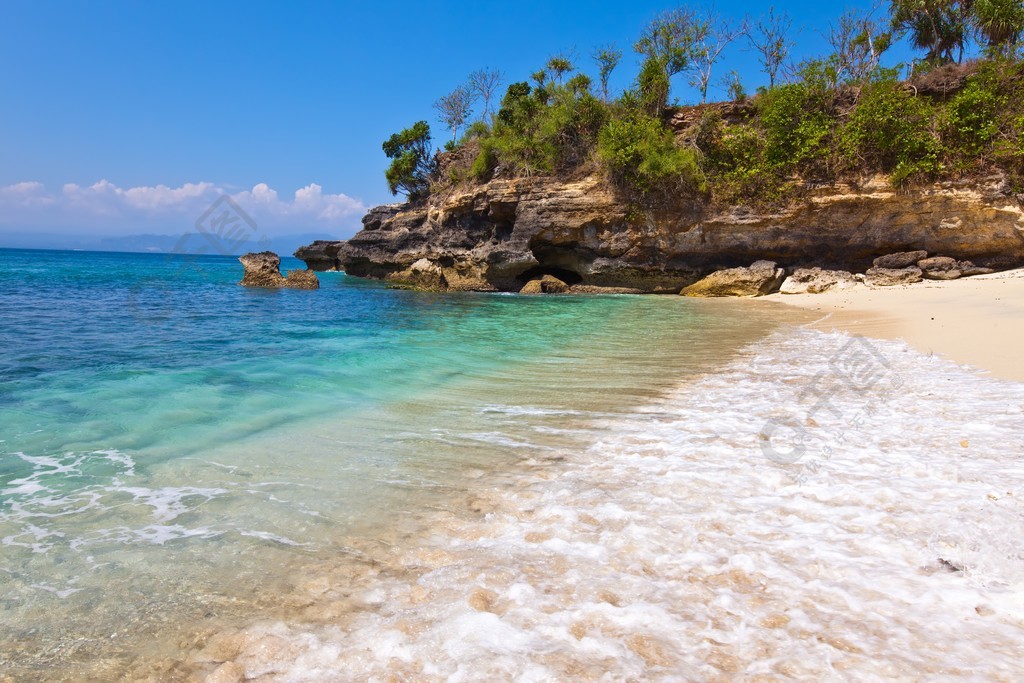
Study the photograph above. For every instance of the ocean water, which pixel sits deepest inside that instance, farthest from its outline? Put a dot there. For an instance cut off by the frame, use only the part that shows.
(183, 460)
(201, 482)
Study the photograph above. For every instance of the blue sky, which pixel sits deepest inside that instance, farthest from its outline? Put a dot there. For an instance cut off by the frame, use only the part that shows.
(131, 117)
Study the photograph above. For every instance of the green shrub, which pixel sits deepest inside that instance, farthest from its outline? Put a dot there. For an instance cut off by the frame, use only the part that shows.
(484, 163)
(797, 120)
(411, 161)
(643, 156)
(739, 170)
(891, 131)
(970, 124)
(545, 129)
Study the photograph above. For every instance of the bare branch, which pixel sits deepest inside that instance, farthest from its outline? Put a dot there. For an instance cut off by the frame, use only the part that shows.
(455, 108)
(770, 38)
(483, 84)
(712, 34)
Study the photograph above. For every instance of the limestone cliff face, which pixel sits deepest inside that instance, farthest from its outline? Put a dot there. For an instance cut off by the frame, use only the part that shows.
(499, 235)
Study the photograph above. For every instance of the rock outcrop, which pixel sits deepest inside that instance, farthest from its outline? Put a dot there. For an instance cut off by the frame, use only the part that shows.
(505, 233)
(763, 277)
(817, 281)
(322, 255)
(263, 269)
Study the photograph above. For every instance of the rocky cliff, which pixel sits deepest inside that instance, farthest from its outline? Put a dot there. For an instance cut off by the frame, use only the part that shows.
(500, 235)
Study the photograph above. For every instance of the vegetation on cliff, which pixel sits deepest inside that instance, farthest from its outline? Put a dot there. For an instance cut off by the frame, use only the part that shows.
(840, 116)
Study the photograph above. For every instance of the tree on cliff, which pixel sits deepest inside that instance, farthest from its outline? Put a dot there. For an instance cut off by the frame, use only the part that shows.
(411, 161)
(483, 83)
(607, 59)
(1000, 23)
(941, 27)
(771, 42)
(711, 35)
(456, 108)
(858, 42)
(668, 42)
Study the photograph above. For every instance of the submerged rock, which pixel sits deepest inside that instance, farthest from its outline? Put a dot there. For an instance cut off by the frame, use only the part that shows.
(903, 259)
(816, 281)
(888, 277)
(762, 277)
(549, 284)
(263, 269)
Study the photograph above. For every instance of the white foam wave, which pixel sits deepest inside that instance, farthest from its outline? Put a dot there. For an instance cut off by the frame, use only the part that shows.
(824, 508)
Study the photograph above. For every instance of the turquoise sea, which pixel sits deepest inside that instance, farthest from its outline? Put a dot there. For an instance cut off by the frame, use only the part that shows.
(180, 455)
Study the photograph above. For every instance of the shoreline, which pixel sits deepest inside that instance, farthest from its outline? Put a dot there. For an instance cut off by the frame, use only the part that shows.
(640, 554)
(976, 321)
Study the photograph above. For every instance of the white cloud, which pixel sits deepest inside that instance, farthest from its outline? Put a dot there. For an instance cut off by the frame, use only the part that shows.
(160, 207)
(28, 193)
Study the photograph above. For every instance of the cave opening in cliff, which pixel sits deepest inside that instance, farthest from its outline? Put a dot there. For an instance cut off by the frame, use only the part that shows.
(569, 277)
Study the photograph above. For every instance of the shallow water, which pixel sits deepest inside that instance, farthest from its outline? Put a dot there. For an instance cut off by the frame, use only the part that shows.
(181, 457)
(738, 527)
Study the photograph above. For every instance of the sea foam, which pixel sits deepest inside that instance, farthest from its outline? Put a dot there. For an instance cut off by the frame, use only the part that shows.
(825, 507)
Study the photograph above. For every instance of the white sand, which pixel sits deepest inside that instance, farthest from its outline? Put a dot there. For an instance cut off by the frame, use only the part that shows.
(977, 321)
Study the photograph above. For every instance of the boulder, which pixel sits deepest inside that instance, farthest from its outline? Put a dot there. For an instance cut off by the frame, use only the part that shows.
(968, 269)
(263, 269)
(816, 281)
(903, 259)
(940, 268)
(762, 277)
(549, 284)
(888, 277)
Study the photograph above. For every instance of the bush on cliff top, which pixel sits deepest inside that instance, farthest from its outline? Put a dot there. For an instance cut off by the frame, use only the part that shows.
(839, 117)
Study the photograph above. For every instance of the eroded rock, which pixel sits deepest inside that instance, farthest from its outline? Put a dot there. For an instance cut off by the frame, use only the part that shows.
(548, 284)
(940, 268)
(889, 277)
(902, 259)
(968, 269)
(817, 280)
(489, 236)
(321, 255)
(302, 279)
(762, 277)
(263, 269)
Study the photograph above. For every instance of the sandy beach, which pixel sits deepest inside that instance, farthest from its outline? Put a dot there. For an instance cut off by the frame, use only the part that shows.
(976, 321)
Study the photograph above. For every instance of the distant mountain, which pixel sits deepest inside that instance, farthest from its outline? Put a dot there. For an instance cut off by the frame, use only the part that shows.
(189, 243)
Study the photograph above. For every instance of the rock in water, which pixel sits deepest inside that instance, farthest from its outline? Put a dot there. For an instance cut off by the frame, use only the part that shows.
(263, 269)
(888, 277)
(549, 284)
(302, 279)
(903, 259)
(762, 277)
(816, 281)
